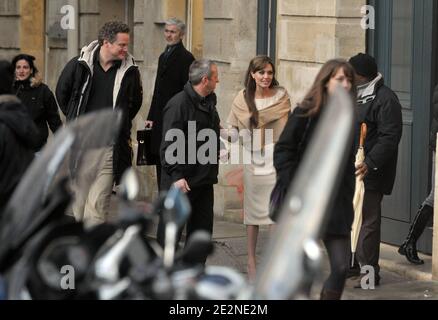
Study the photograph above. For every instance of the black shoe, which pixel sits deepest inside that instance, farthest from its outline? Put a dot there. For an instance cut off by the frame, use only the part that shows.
(402, 249)
(353, 272)
(411, 254)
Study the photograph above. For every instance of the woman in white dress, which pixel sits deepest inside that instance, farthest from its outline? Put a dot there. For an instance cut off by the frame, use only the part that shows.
(259, 112)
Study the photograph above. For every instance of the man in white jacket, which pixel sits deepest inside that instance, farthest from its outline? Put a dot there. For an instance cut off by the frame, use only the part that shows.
(103, 76)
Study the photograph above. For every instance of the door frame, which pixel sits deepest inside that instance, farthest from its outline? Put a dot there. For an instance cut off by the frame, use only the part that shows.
(424, 48)
(267, 28)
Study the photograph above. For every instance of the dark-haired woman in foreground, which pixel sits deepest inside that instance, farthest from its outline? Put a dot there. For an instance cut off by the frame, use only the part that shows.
(289, 151)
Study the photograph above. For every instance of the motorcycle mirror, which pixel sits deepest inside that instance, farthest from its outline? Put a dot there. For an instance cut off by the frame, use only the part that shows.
(176, 207)
(129, 186)
(176, 210)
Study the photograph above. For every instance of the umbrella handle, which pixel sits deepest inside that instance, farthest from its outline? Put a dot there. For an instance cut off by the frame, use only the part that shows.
(363, 134)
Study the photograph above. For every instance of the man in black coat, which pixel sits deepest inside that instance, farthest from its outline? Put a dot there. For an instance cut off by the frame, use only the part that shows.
(105, 75)
(18, 136)
(172, 75)
(379, 108)
(191, 162)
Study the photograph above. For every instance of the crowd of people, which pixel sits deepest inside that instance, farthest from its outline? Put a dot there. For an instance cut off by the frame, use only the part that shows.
(105, 75)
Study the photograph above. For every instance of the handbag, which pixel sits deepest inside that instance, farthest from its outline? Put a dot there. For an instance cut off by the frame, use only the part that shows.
(144, 141)
(276, 200)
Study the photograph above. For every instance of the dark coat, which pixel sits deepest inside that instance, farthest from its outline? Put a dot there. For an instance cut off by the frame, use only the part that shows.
(184, 107)
(18, 139)
(381, 111)
(172, 75)
(288, 153)
(434, 125)
(41, 103)
(73, 90)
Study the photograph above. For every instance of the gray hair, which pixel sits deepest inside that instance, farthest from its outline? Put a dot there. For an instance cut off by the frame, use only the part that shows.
(178, 23)
(199, 69)
(110, 30)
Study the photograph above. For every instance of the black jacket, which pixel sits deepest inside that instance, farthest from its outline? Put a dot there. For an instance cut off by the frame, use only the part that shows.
(73, 90)
(172, 75)
(41, 103)
(187, 106)
(288, 153)
(434, 125)
(381, 111)
(18, 139)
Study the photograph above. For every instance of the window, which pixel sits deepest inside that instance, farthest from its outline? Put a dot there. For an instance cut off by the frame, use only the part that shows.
(266, 27)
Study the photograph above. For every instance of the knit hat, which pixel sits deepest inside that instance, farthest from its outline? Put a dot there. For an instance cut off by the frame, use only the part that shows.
(6, 77)
(364, 65)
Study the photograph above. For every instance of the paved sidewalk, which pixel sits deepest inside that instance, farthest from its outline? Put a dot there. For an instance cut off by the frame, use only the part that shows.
(400, 280)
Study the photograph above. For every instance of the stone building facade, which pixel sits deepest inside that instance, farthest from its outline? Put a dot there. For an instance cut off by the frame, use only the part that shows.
(299, 35)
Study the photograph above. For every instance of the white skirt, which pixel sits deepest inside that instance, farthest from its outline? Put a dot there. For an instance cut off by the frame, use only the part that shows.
(257, 192)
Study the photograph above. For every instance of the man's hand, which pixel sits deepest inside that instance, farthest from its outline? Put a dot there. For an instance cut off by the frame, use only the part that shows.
(182, 185)
(361, 170)
(148, 124)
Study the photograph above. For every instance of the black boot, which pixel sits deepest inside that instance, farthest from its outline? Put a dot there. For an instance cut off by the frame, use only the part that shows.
(409, 247)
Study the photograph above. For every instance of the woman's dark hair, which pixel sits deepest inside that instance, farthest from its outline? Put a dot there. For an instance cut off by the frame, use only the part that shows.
(258, 63)
(29, 59)
(316, 98)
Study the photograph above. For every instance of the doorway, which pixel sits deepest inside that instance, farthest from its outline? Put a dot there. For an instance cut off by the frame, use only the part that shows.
(403, 43)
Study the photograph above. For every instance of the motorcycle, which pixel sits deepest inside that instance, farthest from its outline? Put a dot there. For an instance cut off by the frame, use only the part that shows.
(46, 254)
(35, 220)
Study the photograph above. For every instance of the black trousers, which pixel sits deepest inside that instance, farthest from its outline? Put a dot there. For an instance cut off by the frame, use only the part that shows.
(201, 218)
(368, 246)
